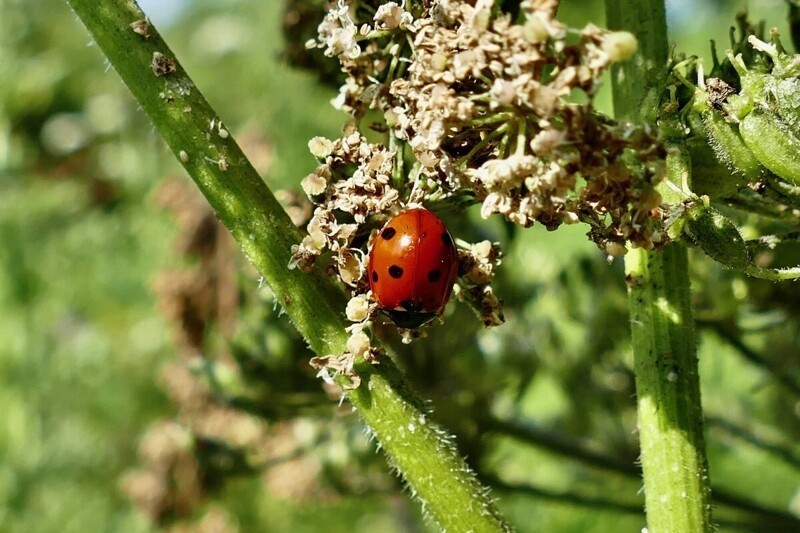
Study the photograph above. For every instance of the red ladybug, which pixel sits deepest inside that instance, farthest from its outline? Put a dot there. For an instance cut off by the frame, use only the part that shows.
(412, 267)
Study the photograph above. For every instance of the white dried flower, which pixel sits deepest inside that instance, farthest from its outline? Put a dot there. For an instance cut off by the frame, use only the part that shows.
(570, 217)
(481, 14)
(344, 234)
(503, 93)
(548, 141)
(428, 159)
(314, 184)
(320, 147)
(350, 268)
(358, 344)
(343, 41)
(438, 61)
(317, 228)
(479, 262)
(465, 63)
(358, 308)
(314, 241)
(501, 174)
(535, 29)
(390, 16)
(495, 203)
(483, 249)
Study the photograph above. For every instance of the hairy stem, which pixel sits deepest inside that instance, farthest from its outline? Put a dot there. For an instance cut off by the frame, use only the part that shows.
(668, 392)
(420, 450)
(773, 274)
(670, 416)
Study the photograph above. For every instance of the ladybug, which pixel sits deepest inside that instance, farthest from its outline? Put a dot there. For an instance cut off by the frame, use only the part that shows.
(412, 267)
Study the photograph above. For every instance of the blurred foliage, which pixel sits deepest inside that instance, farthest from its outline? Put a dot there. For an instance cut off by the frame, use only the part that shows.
(147, 380)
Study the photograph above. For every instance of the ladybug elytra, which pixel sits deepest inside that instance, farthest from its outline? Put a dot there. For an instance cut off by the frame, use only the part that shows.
(412, 267)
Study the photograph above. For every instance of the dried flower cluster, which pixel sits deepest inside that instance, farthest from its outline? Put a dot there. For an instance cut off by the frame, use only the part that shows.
(476, 267)
(353, 178)
(487, 106)
(355, 181)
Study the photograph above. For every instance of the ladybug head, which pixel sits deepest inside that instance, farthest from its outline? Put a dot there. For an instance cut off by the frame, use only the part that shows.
(410, 319)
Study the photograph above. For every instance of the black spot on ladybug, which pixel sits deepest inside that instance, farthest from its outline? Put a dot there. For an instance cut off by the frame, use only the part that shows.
(396, 271)
(434, 276)
(411, 305)
(388, 233)
(447, 240)
(374, 277)
(424, 234)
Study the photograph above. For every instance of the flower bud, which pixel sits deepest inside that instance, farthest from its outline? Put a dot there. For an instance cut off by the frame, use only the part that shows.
(717, 236)
(709, 176)
(772, 143)
(729, 146)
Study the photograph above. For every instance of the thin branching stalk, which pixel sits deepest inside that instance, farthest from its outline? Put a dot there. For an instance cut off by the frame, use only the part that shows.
(752, 356)
(571, 448)
(670, 416)
(747, 524)
(421, 451)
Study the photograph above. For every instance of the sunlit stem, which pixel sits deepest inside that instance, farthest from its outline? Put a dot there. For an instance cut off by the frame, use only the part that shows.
(522, 140)
(670, 417)
(773, 274)
(500, 131)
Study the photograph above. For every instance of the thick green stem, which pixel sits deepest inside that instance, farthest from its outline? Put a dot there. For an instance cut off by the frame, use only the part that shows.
(667, 389)
(673, 456)
(420, 450)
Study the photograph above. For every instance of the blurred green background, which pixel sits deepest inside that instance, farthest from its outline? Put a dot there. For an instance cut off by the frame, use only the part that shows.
(148, 382)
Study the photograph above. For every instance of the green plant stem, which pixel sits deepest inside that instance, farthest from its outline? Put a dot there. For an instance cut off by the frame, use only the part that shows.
(418, 449)
(670, 416)
(667, 388)
(750, 201)
(773, 274)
